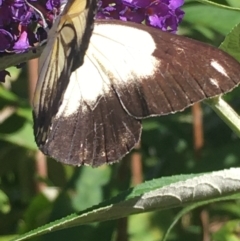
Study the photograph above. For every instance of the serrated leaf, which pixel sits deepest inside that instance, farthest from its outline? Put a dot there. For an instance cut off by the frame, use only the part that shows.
(163, 193)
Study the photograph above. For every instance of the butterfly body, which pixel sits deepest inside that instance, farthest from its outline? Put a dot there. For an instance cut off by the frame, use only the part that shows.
(89, 109)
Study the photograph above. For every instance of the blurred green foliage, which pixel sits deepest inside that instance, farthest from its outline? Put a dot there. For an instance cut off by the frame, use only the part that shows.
(167, 148)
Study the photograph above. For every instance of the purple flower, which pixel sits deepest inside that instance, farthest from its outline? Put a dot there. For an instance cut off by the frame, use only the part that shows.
(22, 44)
(6, 40)
(18, 19)
(53, 4)
(162, 14)
(5, 15)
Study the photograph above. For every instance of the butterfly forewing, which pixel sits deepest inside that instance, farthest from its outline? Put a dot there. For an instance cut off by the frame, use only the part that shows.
(94, 90)
(158, 73)
(63, 54)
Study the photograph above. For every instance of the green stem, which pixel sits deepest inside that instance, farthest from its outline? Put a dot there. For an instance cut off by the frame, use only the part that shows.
(218, 5)
(226, 113)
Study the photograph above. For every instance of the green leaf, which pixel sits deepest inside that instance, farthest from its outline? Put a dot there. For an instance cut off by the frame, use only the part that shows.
(7, 237)
(37, 213)
(216, 4)
(228, 232)
(4, 202)
(84, 198)
(194, 206)
(163, 193)
(231, 43)
(22, 137)
(16, 118)
(208, 17)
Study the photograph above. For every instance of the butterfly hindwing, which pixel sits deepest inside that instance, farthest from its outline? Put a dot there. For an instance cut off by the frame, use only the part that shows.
(90, 128)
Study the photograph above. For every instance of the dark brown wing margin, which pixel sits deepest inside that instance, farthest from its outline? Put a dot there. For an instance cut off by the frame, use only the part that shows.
(94, 136)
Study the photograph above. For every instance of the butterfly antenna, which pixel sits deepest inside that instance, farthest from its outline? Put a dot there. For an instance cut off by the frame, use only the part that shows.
(45, 25)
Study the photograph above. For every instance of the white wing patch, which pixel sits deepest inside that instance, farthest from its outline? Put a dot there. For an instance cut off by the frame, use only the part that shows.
(128, 49)
(71, 99)
(218, 67)
(92, 81)
(124, 56)
(85, 88)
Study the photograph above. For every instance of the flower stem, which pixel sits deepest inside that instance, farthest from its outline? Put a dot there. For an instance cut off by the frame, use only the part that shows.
(225, 112)
(218, 5)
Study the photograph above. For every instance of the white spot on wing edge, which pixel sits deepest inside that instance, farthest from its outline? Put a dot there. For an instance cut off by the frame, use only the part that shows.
(214, 82)
(219, 67)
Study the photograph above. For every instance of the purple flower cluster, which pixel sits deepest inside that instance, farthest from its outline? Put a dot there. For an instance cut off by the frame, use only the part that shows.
(163, 14)
(21, 24)
(21, 21)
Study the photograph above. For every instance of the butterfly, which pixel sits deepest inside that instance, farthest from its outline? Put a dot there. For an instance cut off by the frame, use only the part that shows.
(99, 78)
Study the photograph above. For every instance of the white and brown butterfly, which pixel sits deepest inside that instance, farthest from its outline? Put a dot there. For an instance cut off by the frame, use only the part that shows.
(98, 79)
